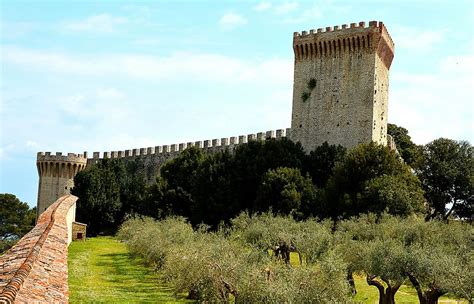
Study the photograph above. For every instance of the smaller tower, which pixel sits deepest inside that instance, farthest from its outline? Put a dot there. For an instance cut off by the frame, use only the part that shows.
(56, 176)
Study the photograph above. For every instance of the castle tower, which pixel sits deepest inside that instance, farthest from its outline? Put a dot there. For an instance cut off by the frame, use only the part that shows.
(56, 176)
(340, 90)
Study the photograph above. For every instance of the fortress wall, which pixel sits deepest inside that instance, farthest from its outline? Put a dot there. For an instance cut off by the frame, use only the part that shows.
(155, 157)
(35, 269)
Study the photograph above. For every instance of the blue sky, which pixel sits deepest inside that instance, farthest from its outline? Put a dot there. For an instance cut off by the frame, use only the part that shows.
(112, 75)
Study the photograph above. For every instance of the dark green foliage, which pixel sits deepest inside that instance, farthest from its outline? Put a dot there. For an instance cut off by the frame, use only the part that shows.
(396, 194)
(215, 187)
(210, 188)
(213, 191)
(321, 161)
(311, 84)
(16, 219)
(345, 191)
(178, 172)
(253, 160)
(407, 149)
(107, 192)
(327, 182)
(446, 171)
(305, 96)
(285, 191)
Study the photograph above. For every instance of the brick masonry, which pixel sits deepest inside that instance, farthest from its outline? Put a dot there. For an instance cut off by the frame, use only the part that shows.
(35, 269)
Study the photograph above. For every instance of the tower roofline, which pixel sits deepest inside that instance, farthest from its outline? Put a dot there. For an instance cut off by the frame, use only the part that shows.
(59, 157)
(353, 28)
(335, 40)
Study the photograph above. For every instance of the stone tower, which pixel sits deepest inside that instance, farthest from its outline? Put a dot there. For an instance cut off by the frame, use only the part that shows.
(56, 176)
(340, 90)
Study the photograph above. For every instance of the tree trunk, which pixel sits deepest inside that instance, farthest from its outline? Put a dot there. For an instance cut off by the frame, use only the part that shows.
(432, 295)
(429, 296)
(372, 282)
(390, 293)
(350, 279)
(386, 296)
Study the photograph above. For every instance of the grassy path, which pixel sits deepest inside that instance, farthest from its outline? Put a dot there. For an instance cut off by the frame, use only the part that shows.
(101, 270)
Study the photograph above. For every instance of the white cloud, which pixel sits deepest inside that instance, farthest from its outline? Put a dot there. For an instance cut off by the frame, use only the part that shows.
(439, 104)
(425, 40)
(286, 7)
(262, 6)
(103, 23)
(199, 66)
(231, 20)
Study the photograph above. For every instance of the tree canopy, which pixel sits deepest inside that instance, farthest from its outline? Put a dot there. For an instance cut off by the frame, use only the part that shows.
(16, 219)
(408, 150)
(446, 171)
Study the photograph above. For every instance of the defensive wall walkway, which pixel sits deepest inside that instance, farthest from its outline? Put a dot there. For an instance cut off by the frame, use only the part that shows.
(35, 269)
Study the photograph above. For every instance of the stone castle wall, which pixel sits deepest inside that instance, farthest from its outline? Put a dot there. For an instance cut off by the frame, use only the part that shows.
(57, 171)
(340, 91)
(155, 157)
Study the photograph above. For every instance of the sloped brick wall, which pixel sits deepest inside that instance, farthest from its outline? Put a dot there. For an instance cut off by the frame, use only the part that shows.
(35, 269)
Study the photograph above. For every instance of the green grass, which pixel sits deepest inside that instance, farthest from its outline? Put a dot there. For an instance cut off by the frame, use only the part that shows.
(102, 270)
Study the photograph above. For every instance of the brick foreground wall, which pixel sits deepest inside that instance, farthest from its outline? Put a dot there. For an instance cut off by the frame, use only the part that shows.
(35, 269)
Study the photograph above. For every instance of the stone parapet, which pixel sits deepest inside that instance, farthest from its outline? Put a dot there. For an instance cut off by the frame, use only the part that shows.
(337, 40)
(35, 269)
(172, 150)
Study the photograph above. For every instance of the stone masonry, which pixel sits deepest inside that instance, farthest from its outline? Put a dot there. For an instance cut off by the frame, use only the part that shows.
(56, 174)
(340, 90)
(340, 96)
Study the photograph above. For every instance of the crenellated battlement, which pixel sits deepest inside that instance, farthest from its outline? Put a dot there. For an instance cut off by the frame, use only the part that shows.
(56, 172)
(59, 157)
(343, 27)
(209, 145)
(337, 40)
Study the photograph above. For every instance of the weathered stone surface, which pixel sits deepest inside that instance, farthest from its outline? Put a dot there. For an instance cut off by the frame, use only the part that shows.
(56, 176)
(340, 90)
